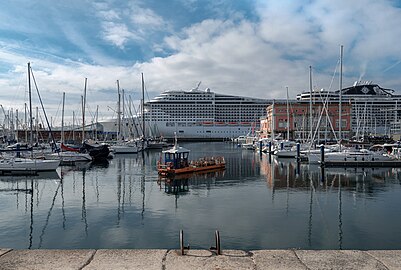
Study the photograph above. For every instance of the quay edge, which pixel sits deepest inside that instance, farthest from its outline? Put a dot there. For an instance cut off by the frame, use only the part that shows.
(198, 259)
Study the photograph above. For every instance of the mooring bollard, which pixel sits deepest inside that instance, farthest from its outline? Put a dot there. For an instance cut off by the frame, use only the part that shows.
(182, 247)
(322, 154)
(217, 248)
(322, 175)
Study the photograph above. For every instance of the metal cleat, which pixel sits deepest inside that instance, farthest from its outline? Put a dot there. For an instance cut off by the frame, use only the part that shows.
(182, 247)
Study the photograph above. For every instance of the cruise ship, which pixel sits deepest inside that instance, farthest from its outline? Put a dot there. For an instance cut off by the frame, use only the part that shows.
(203, 114)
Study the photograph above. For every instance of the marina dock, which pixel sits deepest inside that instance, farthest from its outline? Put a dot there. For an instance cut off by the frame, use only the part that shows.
(198, 259)
(387, 164)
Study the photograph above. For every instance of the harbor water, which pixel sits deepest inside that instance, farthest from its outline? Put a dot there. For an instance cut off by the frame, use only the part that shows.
(256, 203)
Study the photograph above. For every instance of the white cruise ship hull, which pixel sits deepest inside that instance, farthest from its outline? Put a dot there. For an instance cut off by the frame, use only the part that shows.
(201, 131)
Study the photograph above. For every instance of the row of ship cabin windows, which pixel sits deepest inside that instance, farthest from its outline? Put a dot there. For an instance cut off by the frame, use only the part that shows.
(212, 131)
(191, 106)
(283, 124)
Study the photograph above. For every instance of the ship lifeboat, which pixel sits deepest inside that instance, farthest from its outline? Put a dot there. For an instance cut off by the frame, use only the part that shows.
(207, 123)
(245, 123)
(220, 123)
(232, 123)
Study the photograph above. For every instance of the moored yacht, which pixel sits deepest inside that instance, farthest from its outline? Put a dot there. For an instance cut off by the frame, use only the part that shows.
(17, 165)
(362, 157)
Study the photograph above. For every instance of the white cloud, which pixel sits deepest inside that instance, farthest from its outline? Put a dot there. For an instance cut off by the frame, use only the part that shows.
(145, 17)
(261, 58)
(109, 15)
(257, 58)
(118, 34)
(131, 23)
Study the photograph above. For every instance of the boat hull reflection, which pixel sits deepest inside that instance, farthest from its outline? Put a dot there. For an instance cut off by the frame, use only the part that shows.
(179, 184)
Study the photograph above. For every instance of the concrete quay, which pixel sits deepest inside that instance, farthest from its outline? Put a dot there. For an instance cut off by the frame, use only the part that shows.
(163, 259)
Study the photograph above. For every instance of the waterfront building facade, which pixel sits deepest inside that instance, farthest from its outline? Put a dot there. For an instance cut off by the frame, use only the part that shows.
(375, 110)
(296, 119)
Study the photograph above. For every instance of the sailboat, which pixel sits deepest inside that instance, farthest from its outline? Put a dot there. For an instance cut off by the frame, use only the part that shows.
(67, 157)
(144, 139)
(96, 151)
(122, 147)
(21, 165)
(349, 156)
(287, 147)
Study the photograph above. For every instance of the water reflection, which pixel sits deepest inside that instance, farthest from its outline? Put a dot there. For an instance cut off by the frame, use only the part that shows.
(282, 173)
(180, 184)
(27, 185)
(362, 183)
(175, 186)
(257, 202)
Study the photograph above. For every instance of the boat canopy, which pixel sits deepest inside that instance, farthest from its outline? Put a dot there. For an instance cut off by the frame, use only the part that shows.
(177, 155)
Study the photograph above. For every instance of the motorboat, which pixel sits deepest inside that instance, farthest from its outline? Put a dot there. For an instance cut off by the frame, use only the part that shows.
(176, 162)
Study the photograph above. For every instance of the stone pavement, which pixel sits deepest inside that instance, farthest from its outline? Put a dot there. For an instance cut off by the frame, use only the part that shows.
(162, 259)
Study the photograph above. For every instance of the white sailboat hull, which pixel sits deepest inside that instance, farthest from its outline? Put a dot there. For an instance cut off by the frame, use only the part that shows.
(124, 149)
(348, 156)
(28, 165)
(285, 153)
(69, 157)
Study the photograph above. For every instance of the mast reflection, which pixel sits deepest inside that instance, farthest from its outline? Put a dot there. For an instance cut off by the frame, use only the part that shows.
(31, 183)
(283, 175)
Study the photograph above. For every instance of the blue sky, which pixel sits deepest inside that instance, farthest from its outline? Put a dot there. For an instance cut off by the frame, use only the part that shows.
(243, 47)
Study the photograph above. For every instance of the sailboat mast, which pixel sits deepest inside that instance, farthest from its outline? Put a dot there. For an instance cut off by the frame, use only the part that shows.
(26, 123)
(16, 124)
(83, 111)
(340, 101)
(37, 125)
(123, 129)
(62, 120)
(310, 106)
(143, 106)
(73, 126)
(97, 119)
(118, 111)
(288, 118)
(30, 105)
(273, 122)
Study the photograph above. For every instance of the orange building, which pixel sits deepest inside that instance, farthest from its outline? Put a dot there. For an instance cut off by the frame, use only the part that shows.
(325, 124)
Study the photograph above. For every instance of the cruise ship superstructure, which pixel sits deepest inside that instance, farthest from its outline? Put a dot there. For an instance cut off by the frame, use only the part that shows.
(197, 114)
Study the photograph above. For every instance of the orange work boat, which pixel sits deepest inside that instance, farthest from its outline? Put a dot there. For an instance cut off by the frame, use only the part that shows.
(176, 162)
